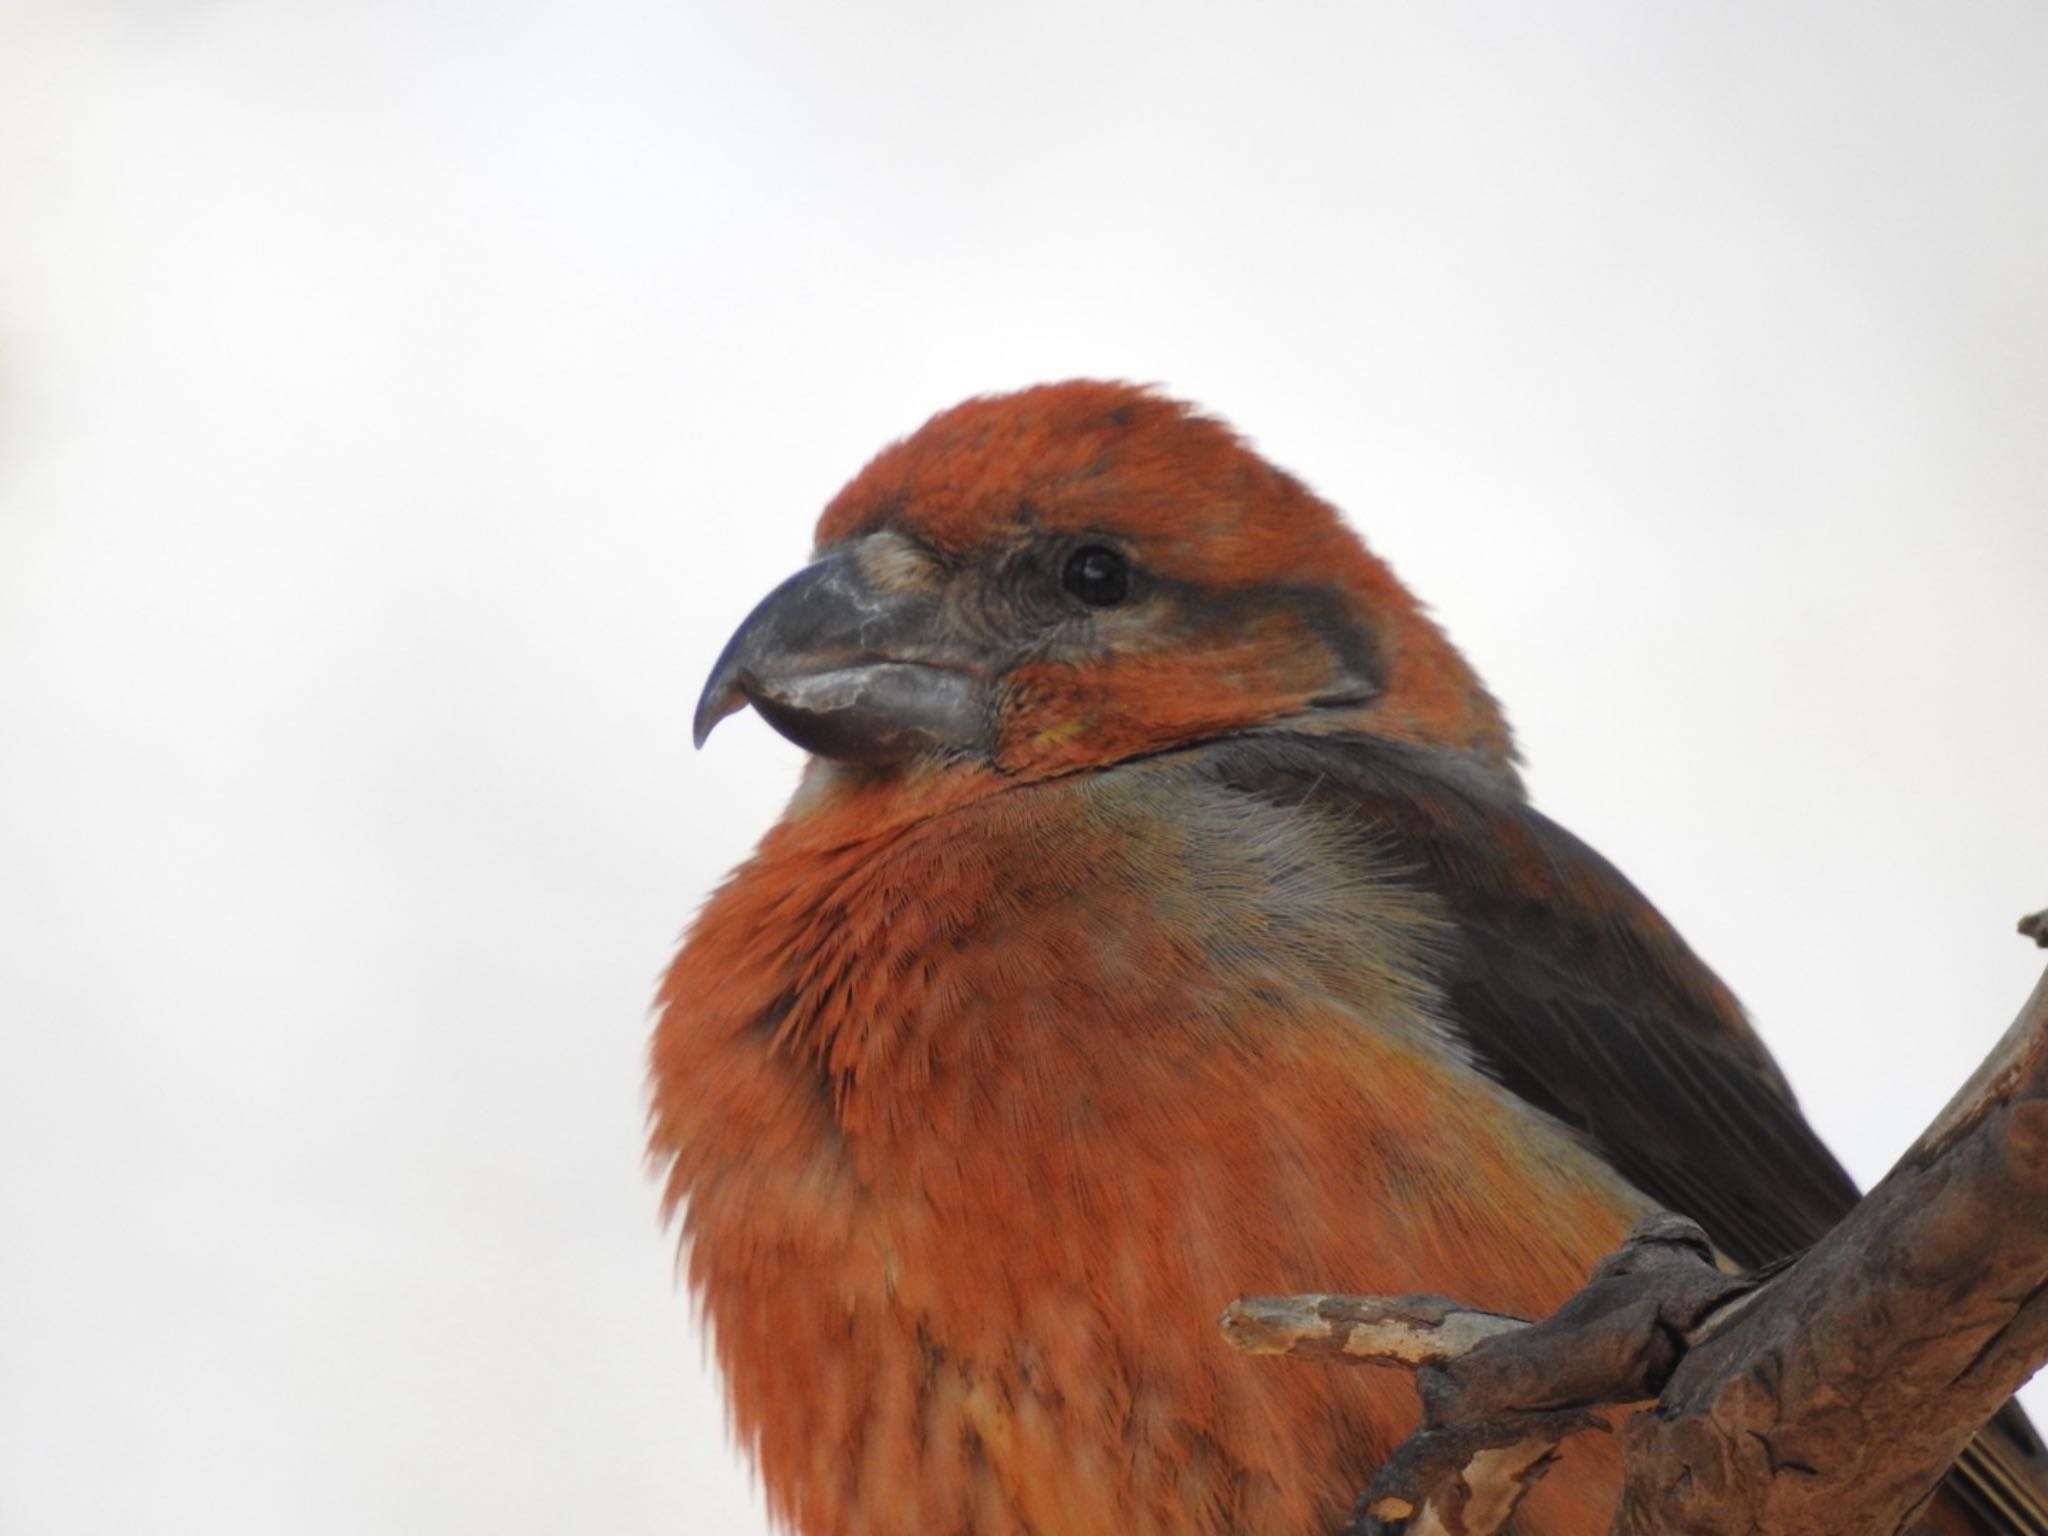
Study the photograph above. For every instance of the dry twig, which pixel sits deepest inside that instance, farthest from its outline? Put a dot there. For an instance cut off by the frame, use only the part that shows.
(1829, 1396)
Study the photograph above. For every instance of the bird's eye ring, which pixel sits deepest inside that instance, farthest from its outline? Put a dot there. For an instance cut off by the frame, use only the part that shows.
(1097, 575)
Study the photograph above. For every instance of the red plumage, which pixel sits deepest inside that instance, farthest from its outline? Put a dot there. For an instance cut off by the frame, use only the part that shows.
(1137, 943)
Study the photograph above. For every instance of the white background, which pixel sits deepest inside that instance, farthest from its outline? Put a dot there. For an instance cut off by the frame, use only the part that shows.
(399, 402)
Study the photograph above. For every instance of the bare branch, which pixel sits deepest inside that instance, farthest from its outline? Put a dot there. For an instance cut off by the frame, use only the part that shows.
(1361, 1330)
(1838, 1399)
(1499, 1393)
(1831, 1395)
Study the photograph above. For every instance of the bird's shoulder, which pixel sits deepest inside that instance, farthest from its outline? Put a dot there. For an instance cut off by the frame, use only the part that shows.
(1562, 980)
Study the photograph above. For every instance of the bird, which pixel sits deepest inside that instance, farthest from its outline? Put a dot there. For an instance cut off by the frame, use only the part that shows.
(1161, 917)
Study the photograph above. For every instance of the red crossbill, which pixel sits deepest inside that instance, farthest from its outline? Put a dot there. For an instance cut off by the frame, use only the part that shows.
(1161, 918)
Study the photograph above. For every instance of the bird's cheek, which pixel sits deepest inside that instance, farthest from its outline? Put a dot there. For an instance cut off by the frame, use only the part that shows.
(1046, 722)
(1057, 717)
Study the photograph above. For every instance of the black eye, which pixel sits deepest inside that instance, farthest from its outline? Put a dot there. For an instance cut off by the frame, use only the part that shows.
(1097, 576)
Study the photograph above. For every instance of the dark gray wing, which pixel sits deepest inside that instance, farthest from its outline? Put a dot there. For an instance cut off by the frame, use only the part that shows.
(1575, 994)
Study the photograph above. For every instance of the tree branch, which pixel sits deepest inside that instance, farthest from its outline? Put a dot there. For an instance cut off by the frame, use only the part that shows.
(1830, 1394)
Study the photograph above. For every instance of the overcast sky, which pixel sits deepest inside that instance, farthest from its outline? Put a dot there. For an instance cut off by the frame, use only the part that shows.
(400, 402)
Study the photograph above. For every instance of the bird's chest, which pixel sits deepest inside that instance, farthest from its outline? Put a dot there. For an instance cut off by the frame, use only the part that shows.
(1009, 1050)
(993, 1057)
(978, 1134)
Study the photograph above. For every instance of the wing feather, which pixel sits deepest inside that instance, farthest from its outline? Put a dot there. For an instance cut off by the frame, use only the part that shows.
(1571, 990)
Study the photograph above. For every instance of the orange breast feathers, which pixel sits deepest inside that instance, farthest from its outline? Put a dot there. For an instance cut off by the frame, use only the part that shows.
(982, 1098)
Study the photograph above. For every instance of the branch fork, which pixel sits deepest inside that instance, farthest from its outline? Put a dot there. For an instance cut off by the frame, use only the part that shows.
(1827, 1394)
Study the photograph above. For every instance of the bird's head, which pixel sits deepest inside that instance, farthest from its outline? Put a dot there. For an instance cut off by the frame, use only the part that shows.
(1059, 579)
